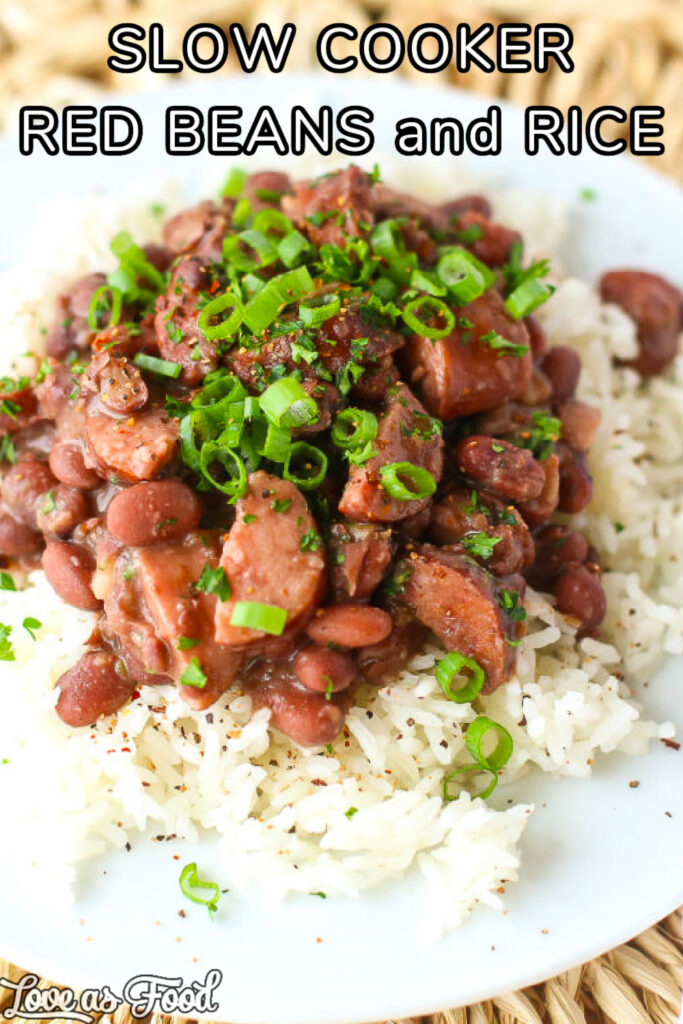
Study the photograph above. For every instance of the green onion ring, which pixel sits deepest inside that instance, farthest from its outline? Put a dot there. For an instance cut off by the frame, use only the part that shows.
(392, 482)
(438, 307)
(450, 666)
(299, 452)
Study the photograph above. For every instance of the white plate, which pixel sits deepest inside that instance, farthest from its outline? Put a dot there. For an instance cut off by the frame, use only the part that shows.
(601, 860)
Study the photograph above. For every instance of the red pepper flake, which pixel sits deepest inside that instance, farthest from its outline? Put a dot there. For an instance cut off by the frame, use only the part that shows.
(135, 695)
(125, 750)
(672, 744)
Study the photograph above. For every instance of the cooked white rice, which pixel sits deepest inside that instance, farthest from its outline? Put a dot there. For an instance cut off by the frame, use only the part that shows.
(279, 812)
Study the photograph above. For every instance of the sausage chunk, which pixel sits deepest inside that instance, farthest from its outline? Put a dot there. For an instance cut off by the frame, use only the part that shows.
(133, 448)
(70, 329)
(405, 434)
(199, 230)
(493, 242)
(346, 194)
(183, 615)
(501, 467)
(273, 555)
(465, 514)
(462, 374)
(657, 308)
(179, 337)
(457, 600)
(361, 554)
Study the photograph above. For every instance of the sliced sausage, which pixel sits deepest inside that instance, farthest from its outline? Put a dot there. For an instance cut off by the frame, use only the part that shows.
(179, 337)
(405, 434)
(494, 241)
(273, 555)
(97, 685)
(148, 513)
(346, 194)
(120, 384)
(133, 448)
(457, 600)
(361, 555)
(464, 514)
(462, 374)
(199, 230)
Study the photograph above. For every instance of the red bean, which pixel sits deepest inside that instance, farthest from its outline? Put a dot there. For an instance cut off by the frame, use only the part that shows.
(580, 593)
(324, 670)
(160, 510)
(24, 486)
(657, 308)
(96, 685)
(69, 568)
(580, 423)
(502, 467)
(556, 547)
(309, 718)
(576, 483)
(539, 509)
(17, 539)
(350, 625)
(562, 367)
(62, 509)
(67, 464)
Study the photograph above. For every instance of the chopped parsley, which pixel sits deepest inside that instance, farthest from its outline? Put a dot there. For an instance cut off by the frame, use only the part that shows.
(186, 643)
(480, 545)
(310, 541)
(214, 581)
(31, 625)
(7, 582)
(501, 345)
(280, 504)
(509, 600)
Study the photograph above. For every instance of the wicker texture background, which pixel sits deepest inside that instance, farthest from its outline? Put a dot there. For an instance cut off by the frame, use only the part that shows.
(626, 52)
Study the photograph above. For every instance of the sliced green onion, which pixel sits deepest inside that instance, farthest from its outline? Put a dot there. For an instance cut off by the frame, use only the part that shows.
(195, 423)
(276, 443)
(268, 618)
(437, 307)
(309, 459)
(387, 240)
(474, 738)
(164, 367)
(270, 221)
(384, 288)
(465, 276)
(235, 483)
(286, 404)
(527, 297)
(234, 183)
(234, 424)
(317, 311)
(451, 666)
(407, 482)
(133, 259)
(279, 292)
(227, 327)
(93, 311)
(294, 248)
(193, 675)
(353, 428)
(241, 212)
(190, 882)
(255, 240)
(427, 282)
(219, 390)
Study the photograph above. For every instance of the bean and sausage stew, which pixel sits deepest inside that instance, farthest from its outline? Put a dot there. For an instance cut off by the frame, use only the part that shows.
(316, 424)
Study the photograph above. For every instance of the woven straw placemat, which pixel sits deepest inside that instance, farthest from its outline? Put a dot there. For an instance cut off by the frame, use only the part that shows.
(626, 52)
